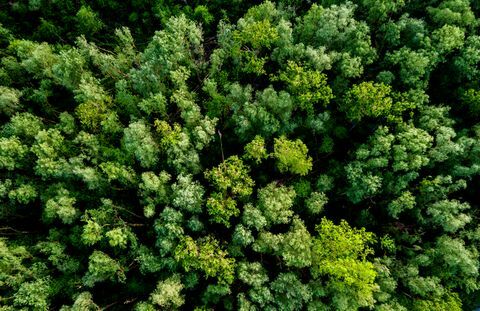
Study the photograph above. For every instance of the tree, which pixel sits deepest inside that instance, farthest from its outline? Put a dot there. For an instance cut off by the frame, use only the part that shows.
(167, 294)
(212, 155)
(255, 150)
(102, 267)
(292, 156)
(340, 253)
(232, 176)
(138, 140)
(309, 86)
(295, 246)
(206, 256)
(367, 99)
(275, 202)
(9, 100)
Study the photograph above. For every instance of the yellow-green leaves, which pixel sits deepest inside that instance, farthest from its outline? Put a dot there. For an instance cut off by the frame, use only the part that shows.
(102, 267)
(206, 255)
(231, 179)
(12, 151)
(339, 253)
(61, 206)
(309, 86)
(316, 202)
(231, 176)
(367, 99)
(9, 100)
(255, 150)
(292, 156)
(221, 209)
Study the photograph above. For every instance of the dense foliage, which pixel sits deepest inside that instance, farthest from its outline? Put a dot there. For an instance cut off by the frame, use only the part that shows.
(239, 155)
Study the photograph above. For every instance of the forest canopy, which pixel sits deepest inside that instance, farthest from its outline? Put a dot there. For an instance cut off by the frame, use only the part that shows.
(240, 155)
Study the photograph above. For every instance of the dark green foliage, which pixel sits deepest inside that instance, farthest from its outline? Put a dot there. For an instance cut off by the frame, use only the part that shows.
(239, 155)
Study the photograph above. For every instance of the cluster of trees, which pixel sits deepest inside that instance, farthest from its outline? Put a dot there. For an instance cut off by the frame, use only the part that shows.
(240, 155)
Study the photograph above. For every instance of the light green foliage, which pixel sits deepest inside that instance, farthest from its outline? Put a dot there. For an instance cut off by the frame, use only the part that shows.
(13, 272)
(34, 295)
(221, 209)
(91, 114)
(367, 99)
(263, 116)
(292, 156)
(409, 151)
(309, 86)
(149, 262)
(457, 12)
(91, 90)
(155, 104)
(68, 69)
(406, 201)
(154, 190)
(153, 155)
(456, 263)
(205, 255)
(102, 267)
(379, 10)
(87, 20)
(231, 176)
(404, 153)
(253, 217)
(169, 230)
(118, 237)
(11, 153)
(339, 253)
(467, 62)
(471, 99)
(23, 194)
(180, 151)
(123, 174)
(289, 292)
(255, 150)
(23, 125)
(449, 214)
(450, 302)
(61, 206)
(448, 38)
(316, 202)
(92, 232)
(252, 273)
(346, 39)
(66, 123)
(187, 194)
(83, 302)
(256, 31)
(138, 140)
(9, 100)
(203, 133)
(36, 58)
(275, 202)
(48, 148)
(242, 236)
(414, 66)
(342, 241)
(295, 246)
(167, 294)
(177, 47)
